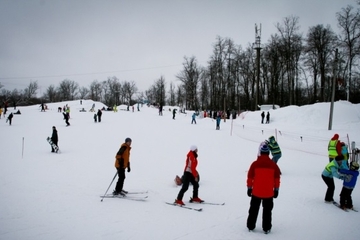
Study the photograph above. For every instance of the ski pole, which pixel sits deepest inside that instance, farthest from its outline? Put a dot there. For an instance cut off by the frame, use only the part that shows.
(108, 187)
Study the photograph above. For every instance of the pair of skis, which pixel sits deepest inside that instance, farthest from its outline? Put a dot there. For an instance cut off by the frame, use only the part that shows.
(344, 209)
(134, 196)
(192, 208)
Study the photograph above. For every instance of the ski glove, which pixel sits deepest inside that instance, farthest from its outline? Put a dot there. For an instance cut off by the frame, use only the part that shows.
(128, 168)
(249, 192)
(276, 193)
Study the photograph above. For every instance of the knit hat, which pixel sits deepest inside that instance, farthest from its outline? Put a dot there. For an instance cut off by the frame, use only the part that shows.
(193, 147)
(128, 140)
(263, 149)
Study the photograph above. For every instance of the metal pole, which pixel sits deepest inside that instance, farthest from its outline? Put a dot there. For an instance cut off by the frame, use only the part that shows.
(108, 187)
(333, 92)
(22, 152)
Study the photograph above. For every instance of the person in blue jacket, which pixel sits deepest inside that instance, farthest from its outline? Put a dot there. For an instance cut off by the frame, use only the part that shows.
(350, 178)
(332, 170)
(218, 119)
(193, 118)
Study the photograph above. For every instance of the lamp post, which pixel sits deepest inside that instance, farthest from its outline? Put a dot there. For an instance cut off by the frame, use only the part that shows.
(333, 90)
(257, 46)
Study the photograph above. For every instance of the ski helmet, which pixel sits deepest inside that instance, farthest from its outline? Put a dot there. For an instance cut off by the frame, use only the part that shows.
(354, 166)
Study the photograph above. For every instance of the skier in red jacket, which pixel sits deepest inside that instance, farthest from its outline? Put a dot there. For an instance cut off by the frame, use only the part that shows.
(190, 176)
(263, 182)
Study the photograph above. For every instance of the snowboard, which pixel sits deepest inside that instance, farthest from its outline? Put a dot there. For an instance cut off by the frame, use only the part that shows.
(56, 148)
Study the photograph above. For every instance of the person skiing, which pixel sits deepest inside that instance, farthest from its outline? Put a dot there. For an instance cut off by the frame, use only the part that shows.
(350, 178)
(193, 118)
(122, 162)
(332, 170)
(99, 113)
(54, 138)
(262, 117)
(10, 118)
(274, 148)
(263, 183)
(190, 176)
(334, 147)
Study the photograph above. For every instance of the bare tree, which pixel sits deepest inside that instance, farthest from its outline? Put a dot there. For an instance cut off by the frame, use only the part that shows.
(349, 22)
(83, 92)
(68, 89)
(51, 94)
(30, 91)
(95, 91)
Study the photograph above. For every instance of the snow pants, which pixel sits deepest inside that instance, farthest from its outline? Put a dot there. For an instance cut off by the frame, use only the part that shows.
(329, 196)
(120, 182)
(267, 204)
(345, 197)
(188, 178)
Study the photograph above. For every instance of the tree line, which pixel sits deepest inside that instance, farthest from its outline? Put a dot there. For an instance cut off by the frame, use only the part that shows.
(295, 69)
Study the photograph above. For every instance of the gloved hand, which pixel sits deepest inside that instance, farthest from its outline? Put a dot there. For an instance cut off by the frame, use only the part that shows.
(276, 193)
(129, 169)
(249, 192)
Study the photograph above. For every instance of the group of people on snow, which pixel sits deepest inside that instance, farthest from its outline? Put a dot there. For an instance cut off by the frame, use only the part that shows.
(340, 168)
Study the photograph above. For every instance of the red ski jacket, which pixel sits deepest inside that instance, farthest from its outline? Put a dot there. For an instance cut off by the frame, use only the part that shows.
(263, 177)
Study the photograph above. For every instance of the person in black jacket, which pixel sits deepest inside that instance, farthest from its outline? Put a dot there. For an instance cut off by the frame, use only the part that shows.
(10, 118)
(54, 139)
(99, 113)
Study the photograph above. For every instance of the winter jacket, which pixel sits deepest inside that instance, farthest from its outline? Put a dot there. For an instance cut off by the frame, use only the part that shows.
(334, 146)
(345, 152)
(274, 146)
(54, 136)
(263, 177)
(332, 169)
(193, 116)
(350, 178)
(191, 163)
(122, 158)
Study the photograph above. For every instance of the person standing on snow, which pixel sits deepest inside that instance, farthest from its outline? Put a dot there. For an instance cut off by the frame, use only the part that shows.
(174, 113)
(54, 138)
(332, 170)
(263, 182)
(193, 118)
(99, 113)
(334, 147)
(122, 162)
(10, 118)
(190, 176)
(274, 148)
(348, 185)
(268, 117)
(218, 120)
(262, 117)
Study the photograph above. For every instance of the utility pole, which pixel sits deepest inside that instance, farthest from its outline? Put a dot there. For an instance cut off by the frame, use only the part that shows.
(333, 90)
(257, 46)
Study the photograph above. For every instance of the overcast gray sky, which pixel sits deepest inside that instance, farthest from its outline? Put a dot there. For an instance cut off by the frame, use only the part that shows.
(135, 40)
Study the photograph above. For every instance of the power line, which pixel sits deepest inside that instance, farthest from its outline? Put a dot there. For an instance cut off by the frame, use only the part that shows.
(94, 73)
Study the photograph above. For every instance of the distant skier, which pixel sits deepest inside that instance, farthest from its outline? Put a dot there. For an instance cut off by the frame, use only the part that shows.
(268, 117)
(54, 138)
(95, 117)
(99, 113)
(10, 118)
(218, 120)
(262, 117)
(193, 118)
(174, 113)
(66, 118)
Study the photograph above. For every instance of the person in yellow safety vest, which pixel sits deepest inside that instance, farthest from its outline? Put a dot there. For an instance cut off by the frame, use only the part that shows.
(334, 147)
